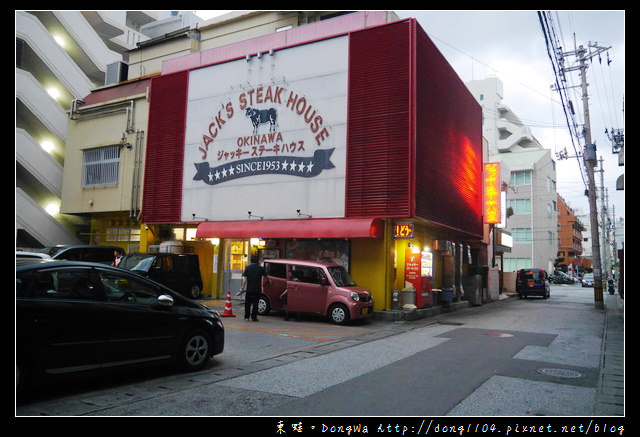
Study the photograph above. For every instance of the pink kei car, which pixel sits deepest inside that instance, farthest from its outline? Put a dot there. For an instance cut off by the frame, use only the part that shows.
(313, 287)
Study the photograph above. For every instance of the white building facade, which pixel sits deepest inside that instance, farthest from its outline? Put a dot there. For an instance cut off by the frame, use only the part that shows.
(531, 194)
(60, 57)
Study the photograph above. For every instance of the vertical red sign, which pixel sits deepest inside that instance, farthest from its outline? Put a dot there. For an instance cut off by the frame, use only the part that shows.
(412, 265)
(491, 188)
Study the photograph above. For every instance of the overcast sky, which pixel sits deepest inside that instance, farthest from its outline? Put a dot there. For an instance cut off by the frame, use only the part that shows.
(511, 46)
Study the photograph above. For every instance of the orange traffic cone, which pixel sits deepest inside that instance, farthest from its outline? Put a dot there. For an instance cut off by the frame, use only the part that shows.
(227, 306)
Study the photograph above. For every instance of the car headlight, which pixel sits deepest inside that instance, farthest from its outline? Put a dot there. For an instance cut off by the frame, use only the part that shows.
(355, 296)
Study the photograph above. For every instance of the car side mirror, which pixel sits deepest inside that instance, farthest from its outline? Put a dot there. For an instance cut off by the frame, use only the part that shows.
(165, 300)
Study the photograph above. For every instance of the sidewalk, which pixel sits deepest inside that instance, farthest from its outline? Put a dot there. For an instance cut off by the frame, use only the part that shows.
(610, 397)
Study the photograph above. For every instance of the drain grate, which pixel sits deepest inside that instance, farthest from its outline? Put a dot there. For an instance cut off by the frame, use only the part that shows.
(560, 373)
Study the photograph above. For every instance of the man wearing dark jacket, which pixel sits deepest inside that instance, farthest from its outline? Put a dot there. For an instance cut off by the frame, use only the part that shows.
(252, 285)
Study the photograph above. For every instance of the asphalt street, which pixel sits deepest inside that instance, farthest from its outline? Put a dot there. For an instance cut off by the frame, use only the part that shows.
(534, 357)
(564, 359)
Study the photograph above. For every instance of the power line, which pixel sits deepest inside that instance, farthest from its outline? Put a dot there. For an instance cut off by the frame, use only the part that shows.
(583, 55)
(557, 64)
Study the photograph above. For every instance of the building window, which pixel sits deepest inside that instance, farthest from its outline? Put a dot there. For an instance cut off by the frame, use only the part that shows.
(100, 166)
(515, 264)
(521, 177)
(522, 235)
(123, 235)
(520, 206)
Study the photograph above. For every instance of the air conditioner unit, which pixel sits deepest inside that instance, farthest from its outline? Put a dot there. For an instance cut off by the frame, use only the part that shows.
(116, 72)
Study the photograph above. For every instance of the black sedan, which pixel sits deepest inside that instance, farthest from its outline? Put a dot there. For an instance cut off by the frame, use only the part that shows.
(75, 317)
(561, 278)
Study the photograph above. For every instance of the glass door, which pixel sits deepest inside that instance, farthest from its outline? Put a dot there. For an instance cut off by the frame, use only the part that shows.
(236, 253)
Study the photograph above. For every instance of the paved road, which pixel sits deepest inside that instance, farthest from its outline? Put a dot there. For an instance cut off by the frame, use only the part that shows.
(515, 357)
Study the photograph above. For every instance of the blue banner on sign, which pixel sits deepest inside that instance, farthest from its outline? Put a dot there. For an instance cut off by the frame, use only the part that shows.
(307, 167)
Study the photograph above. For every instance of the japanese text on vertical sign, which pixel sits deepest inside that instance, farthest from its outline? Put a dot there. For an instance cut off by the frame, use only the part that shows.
(492, 192)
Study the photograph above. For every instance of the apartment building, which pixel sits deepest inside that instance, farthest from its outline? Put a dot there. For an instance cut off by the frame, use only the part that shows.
(570, 230)
(531, 193)
(61, 56)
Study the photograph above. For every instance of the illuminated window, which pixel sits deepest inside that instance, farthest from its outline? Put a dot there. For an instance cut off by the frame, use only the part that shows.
(101, 166)
(123, 235)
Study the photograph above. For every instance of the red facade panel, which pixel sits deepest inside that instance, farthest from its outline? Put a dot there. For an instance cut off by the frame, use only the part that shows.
(162, 197)
(448, 187)
(379, 135)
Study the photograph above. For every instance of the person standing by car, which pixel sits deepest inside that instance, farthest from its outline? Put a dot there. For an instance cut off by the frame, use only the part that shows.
(117, 253)
(287, 313)
(252, 286)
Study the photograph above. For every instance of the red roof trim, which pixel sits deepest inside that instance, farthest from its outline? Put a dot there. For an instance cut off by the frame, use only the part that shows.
(294, 228)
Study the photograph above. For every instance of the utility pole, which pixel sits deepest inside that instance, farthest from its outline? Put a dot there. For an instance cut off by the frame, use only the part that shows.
(589, 153)
(604, 222)
(590, 160)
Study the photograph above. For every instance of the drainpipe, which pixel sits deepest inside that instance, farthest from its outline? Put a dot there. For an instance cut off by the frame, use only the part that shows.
(134, 211)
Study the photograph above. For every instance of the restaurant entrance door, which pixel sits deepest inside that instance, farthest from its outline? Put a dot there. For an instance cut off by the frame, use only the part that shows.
(236, 258)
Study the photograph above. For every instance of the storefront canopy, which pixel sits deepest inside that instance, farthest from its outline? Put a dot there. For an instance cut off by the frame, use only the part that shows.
(294, 228)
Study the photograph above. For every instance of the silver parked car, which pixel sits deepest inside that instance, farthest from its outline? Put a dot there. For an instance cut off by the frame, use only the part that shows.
(587, 280)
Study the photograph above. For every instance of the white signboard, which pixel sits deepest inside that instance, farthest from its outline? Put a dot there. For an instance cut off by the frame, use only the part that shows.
(268, 135)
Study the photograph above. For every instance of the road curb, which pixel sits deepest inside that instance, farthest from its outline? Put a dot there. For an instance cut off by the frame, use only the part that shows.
(610, 395)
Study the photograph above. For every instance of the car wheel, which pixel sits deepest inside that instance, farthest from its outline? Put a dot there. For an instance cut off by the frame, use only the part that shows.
(195, 350)
(194, 292)
(339, 314)
(263, 305)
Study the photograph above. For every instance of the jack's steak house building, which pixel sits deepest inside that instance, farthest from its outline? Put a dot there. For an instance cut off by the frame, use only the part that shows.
(362, 147)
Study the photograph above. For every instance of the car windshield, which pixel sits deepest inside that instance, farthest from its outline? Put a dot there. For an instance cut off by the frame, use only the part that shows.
(137, 262)
(341, 277)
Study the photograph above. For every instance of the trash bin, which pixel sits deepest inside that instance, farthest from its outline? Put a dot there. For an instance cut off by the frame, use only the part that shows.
(408, 297)
(436, 296)
(473, 289)
(395, 300)
(446, 296)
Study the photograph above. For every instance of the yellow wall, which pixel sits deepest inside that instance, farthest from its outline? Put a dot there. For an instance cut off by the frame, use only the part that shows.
(205, 252)
(372, 267)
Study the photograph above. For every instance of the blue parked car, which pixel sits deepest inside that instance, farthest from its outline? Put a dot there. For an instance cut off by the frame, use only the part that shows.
(532, 282)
